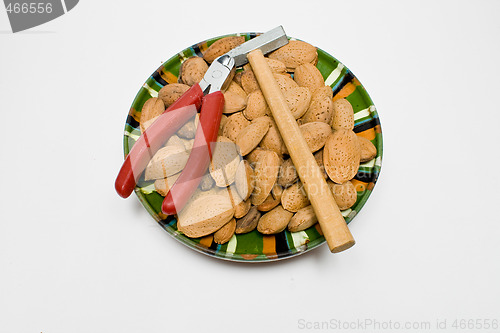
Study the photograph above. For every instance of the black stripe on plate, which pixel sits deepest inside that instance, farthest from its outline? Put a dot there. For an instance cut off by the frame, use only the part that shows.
(213, 246)
(196, 49)
(366, 125)
(132, 122)
(156, 75)
(281, 244)
(366, 177)
(348, 77)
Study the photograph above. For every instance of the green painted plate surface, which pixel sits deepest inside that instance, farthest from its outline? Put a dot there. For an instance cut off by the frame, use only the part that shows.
(255, 247)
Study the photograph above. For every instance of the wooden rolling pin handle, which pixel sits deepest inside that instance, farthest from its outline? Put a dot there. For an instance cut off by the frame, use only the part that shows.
(332, 222)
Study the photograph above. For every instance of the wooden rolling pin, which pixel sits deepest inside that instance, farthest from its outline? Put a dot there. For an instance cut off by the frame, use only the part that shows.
(332, 223)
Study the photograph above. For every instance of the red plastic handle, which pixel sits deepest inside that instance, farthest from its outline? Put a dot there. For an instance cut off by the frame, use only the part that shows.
(147, 145)
(199, 159)
(154, 137)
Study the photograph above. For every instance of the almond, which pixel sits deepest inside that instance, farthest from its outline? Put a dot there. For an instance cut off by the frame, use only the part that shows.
(151, 110)
(345, 194)
(343, 115)
(233, 102)
(341, 156)
(166, 162)
(234, 124)
(294, 197)
(249, 82)
(321, 107)
(318, 156)
(302, 219)
(205, 215)
(242, 209)
(188, 130)
(266, 172)
(274, 221)
(192, 70)
(315, 134)
(171, 92)
(250, 136)
(285, 82)
(244, 180)
(288, 174)
(298, 100)
(224, 234)
(294, 54)
(223, 121)
(276, 66)
(256, 106)
(207, 182)
(254, 156)
(272, 200)
(308, 75)
(236, 88)
(368, 149)
(163, 185)
(222, 46)
(237, 77)
(273, 140)
(225, 161)
(248, 222)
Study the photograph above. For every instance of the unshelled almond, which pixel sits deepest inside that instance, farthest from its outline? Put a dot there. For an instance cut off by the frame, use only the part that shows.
(345, 194)
(234, 124)
(244, 180)
(272, 200)
(274, 221)
(315, 134)
(266, 172)
(294, 54)
(233, 102)
(192, 70)
(250, 136)
(256, 106)
(222, 46)
(321, 107)
(341, 156)
(308, 75)
(248, 222)
(225, 162)
(172, 92)
(205, 215)
(298, 100)
(302, 219)
(343, 115)
(166, 162)
(285, 82)
(273, 140)
(224, 234)
(368, 149)
(294, 197)
(249, 82)
(151, 109)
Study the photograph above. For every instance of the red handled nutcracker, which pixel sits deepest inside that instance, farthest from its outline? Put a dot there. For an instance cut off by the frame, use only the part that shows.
(206, 96)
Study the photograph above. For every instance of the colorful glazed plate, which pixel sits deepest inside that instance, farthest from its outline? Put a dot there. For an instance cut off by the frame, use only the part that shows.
(253, 246)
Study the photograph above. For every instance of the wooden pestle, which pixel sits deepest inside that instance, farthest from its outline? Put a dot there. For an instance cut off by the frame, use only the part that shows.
(332, 222)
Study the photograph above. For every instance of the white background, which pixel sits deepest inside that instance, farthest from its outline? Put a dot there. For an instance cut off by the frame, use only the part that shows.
(74, 257)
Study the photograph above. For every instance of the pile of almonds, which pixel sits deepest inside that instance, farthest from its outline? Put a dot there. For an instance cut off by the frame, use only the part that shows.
(262, 190)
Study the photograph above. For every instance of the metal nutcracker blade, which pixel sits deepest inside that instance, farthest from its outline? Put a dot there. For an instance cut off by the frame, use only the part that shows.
(267, 42)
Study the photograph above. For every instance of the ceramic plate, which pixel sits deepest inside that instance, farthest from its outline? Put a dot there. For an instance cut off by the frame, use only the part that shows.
(255, 247)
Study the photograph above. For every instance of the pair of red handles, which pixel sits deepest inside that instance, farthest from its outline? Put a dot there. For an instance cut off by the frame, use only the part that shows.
(160, 131)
